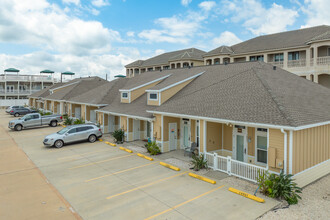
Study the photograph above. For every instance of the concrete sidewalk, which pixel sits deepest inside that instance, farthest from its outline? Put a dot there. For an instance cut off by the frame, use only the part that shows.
(25, 193)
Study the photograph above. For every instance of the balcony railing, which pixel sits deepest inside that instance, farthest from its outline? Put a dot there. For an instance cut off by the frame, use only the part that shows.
(16, 92)
(323, 60)
(277, 63)
(26, 78)
(296, 63)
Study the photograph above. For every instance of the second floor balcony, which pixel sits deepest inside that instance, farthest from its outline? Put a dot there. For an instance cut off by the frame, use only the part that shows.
(25, 78)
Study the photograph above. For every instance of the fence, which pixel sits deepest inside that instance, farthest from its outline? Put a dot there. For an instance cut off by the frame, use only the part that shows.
(10, 102)
(233, 167)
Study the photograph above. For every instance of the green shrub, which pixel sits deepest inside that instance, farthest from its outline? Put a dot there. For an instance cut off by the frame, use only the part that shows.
(119, 135)
(79, 121)
(279, 186)
(199, 162)
(153, 148)
(68, 121)
(48, 113)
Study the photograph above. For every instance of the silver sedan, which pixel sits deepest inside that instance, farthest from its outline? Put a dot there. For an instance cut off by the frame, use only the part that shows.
(74, 133)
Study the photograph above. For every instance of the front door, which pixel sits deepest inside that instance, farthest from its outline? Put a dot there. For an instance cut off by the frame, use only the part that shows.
(239, 143)
(58, 106)
(93, 116)
(172, 136)
(136, 129)
(77, 112)
(186, 133)
(111, 123)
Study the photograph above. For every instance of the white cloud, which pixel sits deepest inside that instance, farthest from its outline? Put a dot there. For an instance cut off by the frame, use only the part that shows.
(256, 18)
(33, 63)
(40, 24)
(100, 3)
(317, 12)
(130, 33)
(159, 51)
(185, 2)
(226, 38)
(175, 29)
(207, 5)
(76, 2)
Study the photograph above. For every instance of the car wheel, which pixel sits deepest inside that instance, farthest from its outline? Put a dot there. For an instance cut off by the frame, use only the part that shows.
(92, 138)
(16, 115)
(58, 144)
(53, 123)
(18, 127)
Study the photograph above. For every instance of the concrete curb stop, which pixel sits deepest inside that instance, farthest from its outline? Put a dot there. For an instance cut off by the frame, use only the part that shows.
(145, 157)
(125, 149)
(202, 178)
(169, 166)
(247, 195)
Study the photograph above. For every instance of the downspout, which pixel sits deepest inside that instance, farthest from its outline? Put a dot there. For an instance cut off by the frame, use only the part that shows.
(285, 150)
(290, 152)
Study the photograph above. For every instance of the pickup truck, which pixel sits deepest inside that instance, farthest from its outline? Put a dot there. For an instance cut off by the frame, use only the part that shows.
(34, 120)
(21, 111)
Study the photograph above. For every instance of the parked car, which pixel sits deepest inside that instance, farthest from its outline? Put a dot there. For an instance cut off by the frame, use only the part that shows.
(34, 120)
(74, 133)
(21, 111)
(13, 107)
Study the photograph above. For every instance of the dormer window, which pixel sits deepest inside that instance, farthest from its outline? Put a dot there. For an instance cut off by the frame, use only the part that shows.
(124, 95)
(153, 96)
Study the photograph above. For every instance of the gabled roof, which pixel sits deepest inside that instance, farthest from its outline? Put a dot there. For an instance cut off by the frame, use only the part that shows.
(288, 39)
(101, 95)
(72, 90)
(45, 92)
(324, 36)
(163, 59)
(12, 70)
(252, 92)
(223, 50)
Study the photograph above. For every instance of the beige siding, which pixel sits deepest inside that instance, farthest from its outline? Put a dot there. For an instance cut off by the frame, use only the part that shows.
(153, 102)
(123, 123)
(168, 120)
(125, 100)
(228, 137)
(310, 147)
(83, 112)
(168, 93)
(157, 123)
(276, 148)
(214, 136)
(130, 125)
(140, 91)
(251, 145)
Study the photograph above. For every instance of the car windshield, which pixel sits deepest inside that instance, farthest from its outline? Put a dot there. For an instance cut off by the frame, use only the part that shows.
(63, 130)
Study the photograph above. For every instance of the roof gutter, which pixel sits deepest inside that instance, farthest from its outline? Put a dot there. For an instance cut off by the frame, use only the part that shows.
(285, 150)
(125, 115)
(225, 121)
(82, 103)
(177, 83)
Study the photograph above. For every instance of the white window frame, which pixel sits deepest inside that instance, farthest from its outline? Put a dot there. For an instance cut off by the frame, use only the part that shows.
(152, 99)
(123, 96)
(262, 134)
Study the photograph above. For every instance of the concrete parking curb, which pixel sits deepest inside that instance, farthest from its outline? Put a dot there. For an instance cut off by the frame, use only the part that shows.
(100, 139)
(202, 178)
(145, 157)
(125, 149)
(247, 195)
(169, 166)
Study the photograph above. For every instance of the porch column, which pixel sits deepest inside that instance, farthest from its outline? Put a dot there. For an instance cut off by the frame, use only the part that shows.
(162, 134)
(316, 78)
(61, 108)
(285, 59)
(266, 58)
(308, 57)
(152, 131)
(314, 56)
(103, 122)
(127, 128)
(247, 58)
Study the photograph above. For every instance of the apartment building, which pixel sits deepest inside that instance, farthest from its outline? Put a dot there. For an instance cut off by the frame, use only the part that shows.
(305, 52)
(171, 60)
(15, 87)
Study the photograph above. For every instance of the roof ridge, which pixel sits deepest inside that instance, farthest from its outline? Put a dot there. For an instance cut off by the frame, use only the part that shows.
(279, 106)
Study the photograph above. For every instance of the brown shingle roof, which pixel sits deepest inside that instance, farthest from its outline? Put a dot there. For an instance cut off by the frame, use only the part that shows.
(252, 92)
(44, 92)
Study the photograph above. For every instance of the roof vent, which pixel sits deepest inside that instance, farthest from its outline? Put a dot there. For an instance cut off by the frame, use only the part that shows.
(274, 67)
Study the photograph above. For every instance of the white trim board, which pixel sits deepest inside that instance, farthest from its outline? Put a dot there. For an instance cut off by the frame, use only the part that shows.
(131, 116)
(145, 84)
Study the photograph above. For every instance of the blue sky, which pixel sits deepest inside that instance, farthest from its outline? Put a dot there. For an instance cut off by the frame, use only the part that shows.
(95, 37)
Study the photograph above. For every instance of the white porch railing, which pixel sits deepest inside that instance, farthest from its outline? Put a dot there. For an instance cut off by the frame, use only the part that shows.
(234, 167)
(323, 60)
(277, 63)
(296, 63)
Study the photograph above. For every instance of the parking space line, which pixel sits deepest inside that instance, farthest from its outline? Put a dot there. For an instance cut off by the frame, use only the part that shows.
(122, 171)
(102, 161)
(63, 158)
(149, 184)
(181, 204)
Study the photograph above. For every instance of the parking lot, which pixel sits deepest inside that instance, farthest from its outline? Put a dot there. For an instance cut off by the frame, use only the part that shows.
(103, 182)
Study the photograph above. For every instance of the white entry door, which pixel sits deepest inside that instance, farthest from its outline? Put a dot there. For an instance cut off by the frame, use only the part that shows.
(77, 112)
(185, 133)
(111, 123)
(240, 143)
(172, 136)
(58, 109)
(93, 116)
(136, 129)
